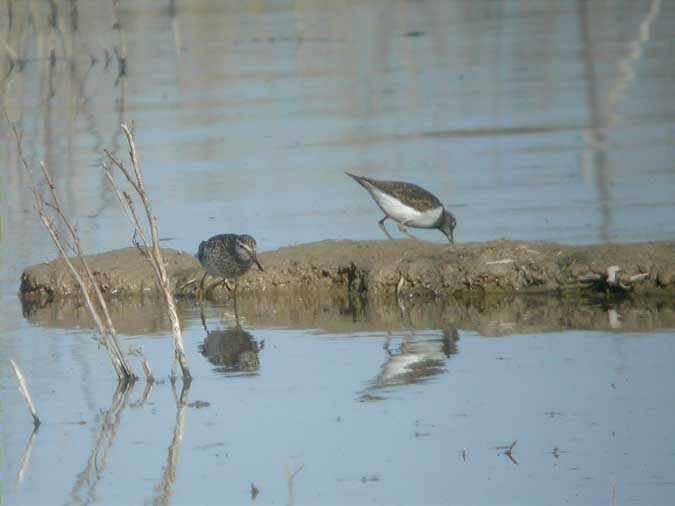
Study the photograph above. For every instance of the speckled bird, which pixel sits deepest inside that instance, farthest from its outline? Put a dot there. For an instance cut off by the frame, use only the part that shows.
(409, 205)
(227, 256)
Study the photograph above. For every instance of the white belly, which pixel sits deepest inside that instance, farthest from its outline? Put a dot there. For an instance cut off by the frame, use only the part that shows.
(405, 214)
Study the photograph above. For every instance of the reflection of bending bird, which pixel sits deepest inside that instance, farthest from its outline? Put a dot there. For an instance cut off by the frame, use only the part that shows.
(418, 359)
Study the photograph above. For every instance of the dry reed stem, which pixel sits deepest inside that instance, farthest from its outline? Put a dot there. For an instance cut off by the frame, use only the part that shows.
(149, 377)
(149, 249)
(111, 333)
(23, 388)
(106, 329)
(145, 364)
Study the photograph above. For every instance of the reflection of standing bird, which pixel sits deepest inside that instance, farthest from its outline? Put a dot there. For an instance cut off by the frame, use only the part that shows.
(409, 205)
(227, 256)
(232, 350)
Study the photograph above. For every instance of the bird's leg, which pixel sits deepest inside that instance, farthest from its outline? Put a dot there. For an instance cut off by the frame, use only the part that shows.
(384, 229)
(404, 230)
(201, 314)
(236, 312)
(200, 292)
(222, 281)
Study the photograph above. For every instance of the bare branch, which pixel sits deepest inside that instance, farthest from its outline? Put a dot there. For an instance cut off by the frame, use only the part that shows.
(123, 169)
(106, 329)
(78, 250)
(127, 205)
(23, 388)
(149, 377)
(151, 251)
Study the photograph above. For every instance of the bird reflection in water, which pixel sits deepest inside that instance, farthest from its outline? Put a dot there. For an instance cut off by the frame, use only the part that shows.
(232, 351)
(418, 358)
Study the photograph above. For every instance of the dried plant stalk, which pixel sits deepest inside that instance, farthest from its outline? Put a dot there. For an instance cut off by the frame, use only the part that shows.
(149, 248)
(23, 388)
(105, 328)
(149, 377)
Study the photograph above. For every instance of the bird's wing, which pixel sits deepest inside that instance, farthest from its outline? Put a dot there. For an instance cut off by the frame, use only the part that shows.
(408, 193)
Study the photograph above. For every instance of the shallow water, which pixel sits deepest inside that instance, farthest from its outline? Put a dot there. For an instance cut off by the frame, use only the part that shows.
(532, 120)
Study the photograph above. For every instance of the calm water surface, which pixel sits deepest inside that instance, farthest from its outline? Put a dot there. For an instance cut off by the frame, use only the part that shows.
(531, 120)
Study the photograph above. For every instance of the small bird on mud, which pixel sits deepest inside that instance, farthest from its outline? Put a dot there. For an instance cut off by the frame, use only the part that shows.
(227, 256)
(409, 205)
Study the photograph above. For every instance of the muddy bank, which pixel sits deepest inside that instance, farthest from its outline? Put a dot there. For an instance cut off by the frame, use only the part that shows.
(384, 268)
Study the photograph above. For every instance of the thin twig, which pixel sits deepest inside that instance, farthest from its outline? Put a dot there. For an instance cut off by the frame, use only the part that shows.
(23, 388)
(106, 329)
(150, 250)
(145, 365)
(503, 261)
(149, 377)
(110, 328)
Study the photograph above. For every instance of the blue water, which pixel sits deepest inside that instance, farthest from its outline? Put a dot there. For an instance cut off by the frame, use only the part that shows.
(537, 121)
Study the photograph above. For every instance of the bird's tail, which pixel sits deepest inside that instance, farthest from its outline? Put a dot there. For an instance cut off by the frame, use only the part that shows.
(359, 179)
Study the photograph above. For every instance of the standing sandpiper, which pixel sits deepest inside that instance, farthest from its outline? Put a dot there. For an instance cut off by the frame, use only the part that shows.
(409, 205)
(227, 256)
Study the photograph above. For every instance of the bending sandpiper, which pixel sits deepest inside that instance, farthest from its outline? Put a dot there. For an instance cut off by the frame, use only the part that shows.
(227, 256)
(409, 205)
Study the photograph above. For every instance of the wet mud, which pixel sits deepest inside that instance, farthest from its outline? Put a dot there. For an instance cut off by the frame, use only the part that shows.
(378, 269)
(332, 312)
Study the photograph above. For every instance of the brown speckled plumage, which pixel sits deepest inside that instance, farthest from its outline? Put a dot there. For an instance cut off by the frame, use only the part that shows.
(227, 256)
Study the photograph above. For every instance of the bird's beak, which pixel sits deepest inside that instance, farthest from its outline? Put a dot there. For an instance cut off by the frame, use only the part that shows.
(255, 259)
(451, 237)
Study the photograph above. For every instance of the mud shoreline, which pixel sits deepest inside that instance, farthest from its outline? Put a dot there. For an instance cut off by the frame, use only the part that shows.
(487, 315)
(378, 269)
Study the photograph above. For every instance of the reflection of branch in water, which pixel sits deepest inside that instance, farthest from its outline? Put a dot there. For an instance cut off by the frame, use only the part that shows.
(508, 451)
(417, 359)
(144, 397)
(290, 476)
(595, 137)
(601, 121)
(626, 72)
(164, 489)
(86, 482)
(25, 458)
